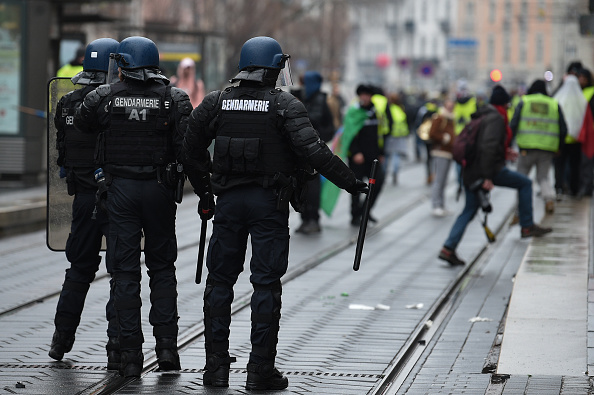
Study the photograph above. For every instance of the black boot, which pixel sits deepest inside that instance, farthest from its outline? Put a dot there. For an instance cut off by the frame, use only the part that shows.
(167, 355)
(216, 371)
(113, 353)
(265, 376)
(61, 344)
(131, 365)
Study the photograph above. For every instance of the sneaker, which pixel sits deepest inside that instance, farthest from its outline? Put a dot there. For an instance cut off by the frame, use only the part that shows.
(550, 207)
(535, 231)
(61, 344)
(450, 257)
(265, 376)
(356, 221)
(438, 212)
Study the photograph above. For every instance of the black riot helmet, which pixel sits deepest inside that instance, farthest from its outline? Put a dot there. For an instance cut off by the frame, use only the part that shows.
(262, 58)
(97, 54)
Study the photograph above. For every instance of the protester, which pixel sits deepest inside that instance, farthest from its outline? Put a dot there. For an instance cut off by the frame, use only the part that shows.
(489, 169)
(539, 129)
(586, 137)
(396, 141)
(423, 121)
(442, 135)
(567, 164)
(362, 134)
(315, 102)
(185, 79)
(73, 67)
(336, 104)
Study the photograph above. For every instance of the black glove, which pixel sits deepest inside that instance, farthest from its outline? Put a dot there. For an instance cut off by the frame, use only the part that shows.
(358, 187)
(206, 207)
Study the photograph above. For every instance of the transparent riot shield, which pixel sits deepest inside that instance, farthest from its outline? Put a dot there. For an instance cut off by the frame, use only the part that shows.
(59, 203)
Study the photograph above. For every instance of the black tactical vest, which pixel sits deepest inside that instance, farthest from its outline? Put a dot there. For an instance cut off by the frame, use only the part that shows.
(139, 132)
(79, 147)
(248, 140)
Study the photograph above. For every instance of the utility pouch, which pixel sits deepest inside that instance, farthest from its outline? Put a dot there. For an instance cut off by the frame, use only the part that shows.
(300, 182)
(284, 191)
(70, 183)
(299, 196)
(175, 178)
(181, 179)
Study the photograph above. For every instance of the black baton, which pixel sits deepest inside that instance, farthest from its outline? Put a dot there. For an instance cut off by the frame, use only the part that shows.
(365, 218)
(201, 245)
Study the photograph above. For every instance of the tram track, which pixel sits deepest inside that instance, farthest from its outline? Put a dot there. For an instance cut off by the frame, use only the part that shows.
(112, 385)
(409, 355)
(56, 292)
(337, 248)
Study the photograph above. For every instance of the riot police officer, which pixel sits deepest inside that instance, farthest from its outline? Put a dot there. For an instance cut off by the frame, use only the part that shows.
(89, 225)
(142, 121)
(263, 141)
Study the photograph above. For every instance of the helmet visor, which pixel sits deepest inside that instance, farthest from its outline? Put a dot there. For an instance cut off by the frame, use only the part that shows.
(113, 74)
(284, 77)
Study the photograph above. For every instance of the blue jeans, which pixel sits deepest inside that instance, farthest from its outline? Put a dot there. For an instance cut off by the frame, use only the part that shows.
(505, 178)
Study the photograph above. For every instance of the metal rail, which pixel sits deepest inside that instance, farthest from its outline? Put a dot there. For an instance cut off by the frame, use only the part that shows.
(404, 362)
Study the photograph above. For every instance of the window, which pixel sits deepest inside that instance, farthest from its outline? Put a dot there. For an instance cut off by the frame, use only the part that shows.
(506, 47)
(522, 48)
(470, 9)
(422, 47)
(539, 49)
(508, 10)
(542, 8)
(424, 11)
(492, 10)
(491, 49)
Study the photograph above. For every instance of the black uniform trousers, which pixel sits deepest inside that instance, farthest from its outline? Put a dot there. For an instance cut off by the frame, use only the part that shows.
(363, 171)
(242, 211)
(567, 168)
(82, 251)
(137, 207)
(311, 209)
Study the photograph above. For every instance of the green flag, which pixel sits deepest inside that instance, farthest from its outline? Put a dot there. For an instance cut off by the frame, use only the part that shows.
(353, 122)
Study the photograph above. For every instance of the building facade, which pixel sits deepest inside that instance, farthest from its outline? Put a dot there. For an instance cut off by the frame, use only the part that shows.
(429, 45)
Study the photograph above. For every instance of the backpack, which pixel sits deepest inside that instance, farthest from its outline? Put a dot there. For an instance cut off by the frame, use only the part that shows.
(464, 149)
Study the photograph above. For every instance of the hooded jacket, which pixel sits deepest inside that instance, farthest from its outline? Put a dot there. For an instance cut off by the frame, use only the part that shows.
(490, 146)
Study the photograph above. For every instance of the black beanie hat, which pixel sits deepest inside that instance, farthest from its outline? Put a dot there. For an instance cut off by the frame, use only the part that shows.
(499, 96)
(538, 86)
(574, 67)
(365, 89)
